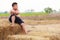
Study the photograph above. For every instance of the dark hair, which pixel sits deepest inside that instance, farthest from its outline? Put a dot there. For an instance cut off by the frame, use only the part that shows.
(14, 3)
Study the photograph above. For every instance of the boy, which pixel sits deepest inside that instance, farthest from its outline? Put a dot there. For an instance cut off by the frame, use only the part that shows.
(14, 18)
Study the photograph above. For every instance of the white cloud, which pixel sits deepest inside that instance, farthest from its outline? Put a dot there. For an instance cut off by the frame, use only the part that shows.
(38, 5)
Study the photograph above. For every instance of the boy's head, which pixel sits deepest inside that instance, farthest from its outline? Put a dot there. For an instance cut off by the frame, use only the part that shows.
(14, 5)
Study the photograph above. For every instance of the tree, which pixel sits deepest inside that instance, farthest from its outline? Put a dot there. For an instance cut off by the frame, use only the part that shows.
(29, 10)
(48, 10)
(5, 12)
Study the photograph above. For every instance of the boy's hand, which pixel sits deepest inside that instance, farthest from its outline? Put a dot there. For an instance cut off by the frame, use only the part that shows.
(12, 11)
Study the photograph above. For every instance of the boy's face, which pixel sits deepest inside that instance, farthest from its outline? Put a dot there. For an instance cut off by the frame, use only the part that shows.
(15, 7)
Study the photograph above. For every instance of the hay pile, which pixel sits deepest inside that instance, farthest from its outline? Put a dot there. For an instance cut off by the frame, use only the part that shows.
(6, 29)
(33, 37)
(26, 37)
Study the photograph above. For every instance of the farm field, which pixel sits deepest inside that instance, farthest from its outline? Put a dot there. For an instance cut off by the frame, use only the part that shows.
(39, 30)
(39, 26)
(30, 20)
(26, 14)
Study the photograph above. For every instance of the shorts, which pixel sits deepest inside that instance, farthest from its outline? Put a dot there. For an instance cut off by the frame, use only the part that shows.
(18, 20)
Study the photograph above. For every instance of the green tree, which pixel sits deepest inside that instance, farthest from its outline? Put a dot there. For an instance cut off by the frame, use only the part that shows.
(48, 10)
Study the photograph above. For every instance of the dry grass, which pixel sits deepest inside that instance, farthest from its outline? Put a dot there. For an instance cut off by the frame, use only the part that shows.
(6, 29)
(39, 30)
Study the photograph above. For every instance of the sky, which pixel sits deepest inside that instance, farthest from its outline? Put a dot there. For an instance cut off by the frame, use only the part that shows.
(37, 5)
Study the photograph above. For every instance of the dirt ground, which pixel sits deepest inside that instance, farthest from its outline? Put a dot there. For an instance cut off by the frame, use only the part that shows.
(38, 30)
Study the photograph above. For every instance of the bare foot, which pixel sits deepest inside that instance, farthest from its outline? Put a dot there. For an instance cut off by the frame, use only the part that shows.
(12, 26)
(25, 32)
(29, 30)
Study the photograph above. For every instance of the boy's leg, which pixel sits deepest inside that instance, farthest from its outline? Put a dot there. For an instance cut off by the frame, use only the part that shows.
(13, 21)
(23, 27)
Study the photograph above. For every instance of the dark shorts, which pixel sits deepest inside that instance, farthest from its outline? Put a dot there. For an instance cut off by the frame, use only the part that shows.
(17, 19)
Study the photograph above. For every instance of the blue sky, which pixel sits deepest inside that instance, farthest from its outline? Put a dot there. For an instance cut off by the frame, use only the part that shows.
(37, 5)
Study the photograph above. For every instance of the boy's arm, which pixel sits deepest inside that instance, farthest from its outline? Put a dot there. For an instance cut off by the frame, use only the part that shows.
(14, 12)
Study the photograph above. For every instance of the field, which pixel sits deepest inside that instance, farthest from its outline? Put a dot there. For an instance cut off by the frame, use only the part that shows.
(26, 14)
(41, 27)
